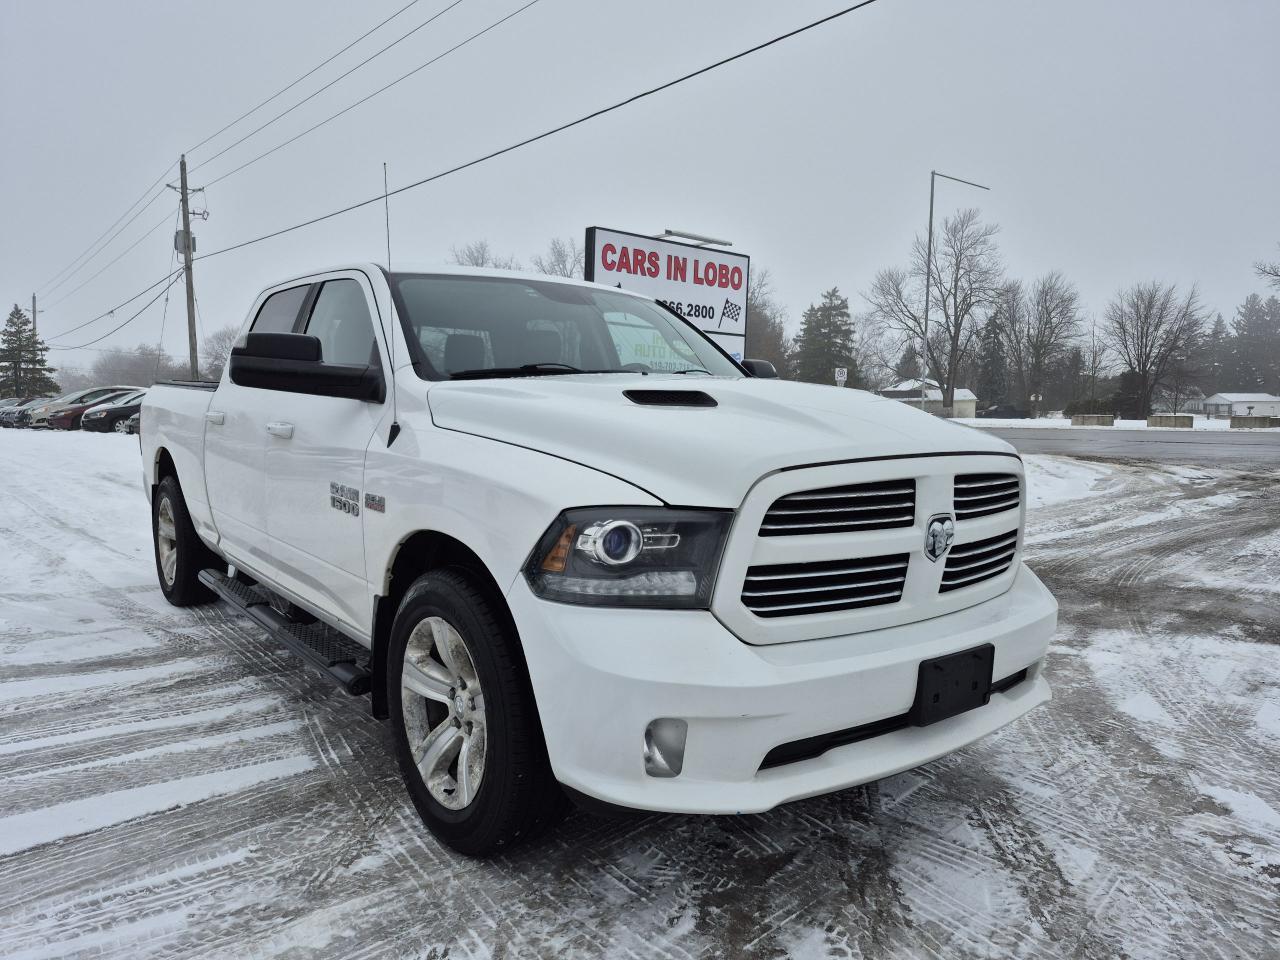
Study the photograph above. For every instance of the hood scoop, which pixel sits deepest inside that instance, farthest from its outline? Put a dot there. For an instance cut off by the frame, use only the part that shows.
(670, 398)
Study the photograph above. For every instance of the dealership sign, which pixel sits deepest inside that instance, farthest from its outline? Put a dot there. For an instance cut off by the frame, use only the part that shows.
(706, 286)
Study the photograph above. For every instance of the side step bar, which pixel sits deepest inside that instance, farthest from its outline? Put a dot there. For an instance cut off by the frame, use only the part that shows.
(343, 660)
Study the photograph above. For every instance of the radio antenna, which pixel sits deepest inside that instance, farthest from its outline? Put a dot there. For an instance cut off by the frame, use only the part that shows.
(386, 209)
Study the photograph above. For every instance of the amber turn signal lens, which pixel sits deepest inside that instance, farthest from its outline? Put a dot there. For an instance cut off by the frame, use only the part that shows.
(559, 556)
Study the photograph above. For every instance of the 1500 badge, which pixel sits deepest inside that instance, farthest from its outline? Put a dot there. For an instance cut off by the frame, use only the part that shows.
(344, 498)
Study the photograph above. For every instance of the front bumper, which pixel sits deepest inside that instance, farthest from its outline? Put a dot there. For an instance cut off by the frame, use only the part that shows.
(601, 675)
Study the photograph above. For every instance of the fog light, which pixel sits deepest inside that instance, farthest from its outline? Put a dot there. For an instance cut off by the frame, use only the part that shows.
(664, 746)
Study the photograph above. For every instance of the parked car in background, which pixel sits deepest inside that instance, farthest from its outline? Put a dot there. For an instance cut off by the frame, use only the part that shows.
(39, 417)
(129, 426)
(112, 414)
(10, 402)
(19, 414)
(69, 418)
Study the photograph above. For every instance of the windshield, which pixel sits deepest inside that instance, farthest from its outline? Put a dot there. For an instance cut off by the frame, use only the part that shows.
(497, 326)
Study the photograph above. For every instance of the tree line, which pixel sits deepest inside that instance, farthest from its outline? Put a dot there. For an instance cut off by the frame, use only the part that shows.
(1023, 346)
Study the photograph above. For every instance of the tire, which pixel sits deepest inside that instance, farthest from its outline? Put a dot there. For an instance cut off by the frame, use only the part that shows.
(511, 795)
(119, 427)
(182, 555)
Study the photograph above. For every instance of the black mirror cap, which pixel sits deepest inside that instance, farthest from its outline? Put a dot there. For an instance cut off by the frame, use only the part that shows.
(308, 376)
(760, 368)
(280, 346)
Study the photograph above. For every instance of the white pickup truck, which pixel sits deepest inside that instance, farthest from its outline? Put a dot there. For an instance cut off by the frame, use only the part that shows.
(572, 549)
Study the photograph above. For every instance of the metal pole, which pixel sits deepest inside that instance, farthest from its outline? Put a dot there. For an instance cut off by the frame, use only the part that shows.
(186, 259)
(928, 283)
(34, 329)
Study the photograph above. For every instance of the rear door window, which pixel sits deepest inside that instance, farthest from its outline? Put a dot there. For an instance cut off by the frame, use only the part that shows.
(279, 312)
(340, 321)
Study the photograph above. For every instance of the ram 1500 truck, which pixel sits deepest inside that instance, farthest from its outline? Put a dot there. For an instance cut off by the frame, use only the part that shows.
(573, 550)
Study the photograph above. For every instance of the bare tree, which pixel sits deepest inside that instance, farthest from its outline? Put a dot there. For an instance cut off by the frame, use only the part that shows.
(767, 337)
(1036, 325)
(478, 253)
(1269, 272)
(1097, 360)
(965, 280)
(564, 258)
(1149, 326)
(215, 349)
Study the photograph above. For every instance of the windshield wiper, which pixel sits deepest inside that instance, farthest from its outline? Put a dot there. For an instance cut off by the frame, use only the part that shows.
(524, 370)
(693, 370)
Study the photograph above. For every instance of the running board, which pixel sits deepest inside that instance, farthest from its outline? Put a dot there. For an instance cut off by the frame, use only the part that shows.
(341, 659)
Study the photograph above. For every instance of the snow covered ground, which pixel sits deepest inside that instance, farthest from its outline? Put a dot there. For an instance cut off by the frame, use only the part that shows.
(1064, 423)
(171, 785)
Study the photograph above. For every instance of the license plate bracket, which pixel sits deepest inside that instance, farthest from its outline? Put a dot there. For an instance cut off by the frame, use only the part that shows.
(953, 684)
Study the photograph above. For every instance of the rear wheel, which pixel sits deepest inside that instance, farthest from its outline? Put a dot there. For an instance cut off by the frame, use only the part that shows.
(180, 553)
(467, 734)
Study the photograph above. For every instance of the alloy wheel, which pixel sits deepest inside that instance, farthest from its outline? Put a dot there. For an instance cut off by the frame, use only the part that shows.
(167, 541)
(444, 713)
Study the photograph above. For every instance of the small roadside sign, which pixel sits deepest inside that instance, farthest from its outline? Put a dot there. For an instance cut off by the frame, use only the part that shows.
(842, 374)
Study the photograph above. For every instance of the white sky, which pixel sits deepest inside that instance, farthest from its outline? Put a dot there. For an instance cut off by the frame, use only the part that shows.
(1123, 141)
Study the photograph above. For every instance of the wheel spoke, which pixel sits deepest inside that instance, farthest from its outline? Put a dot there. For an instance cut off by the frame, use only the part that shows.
(170, 561)
(466, 780)
(437, 750)
(167, 529)
(444, 636)
(426, 680)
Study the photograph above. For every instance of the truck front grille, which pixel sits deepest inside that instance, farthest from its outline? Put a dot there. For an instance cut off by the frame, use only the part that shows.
(854, 508)
(974, 562)
(981, 494)
(795, 589)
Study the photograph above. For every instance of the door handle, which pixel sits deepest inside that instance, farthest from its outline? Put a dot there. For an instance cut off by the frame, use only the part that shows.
(278, 428)
(216, 417)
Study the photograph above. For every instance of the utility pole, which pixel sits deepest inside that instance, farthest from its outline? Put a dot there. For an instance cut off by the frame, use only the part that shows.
(188, 247)
(928, 278)
(34, 328)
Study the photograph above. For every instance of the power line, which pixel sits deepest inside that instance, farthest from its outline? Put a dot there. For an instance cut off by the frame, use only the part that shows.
(366, 99)
(81, 346)
(546, 133)
(286, 89)
(322, 89)
(106, 313)
(91, 246)
(109, 263)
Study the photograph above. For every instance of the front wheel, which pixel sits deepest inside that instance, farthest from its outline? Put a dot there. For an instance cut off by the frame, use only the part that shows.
(180, 553)
(119, 426)
(467, 735)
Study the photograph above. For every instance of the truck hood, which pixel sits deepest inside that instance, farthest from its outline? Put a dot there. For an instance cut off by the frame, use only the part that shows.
(696, 455)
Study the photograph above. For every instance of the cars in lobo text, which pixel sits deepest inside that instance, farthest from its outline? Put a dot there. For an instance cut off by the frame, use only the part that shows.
(39, 415)
(572, 549)
(71, 417)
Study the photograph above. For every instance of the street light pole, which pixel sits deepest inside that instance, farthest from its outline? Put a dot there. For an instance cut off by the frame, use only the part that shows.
(928, 274)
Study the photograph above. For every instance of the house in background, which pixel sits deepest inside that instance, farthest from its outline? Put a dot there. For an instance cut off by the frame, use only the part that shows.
(926, 395)
(1242, 405)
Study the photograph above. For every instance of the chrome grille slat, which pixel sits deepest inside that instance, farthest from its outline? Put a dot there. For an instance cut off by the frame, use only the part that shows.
(880, 506)
(982, 560)
(793, 589)
(883, 505)
(983, 494)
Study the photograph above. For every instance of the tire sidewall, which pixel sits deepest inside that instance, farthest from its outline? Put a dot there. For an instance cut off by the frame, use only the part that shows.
(191, 552)
(438, 594)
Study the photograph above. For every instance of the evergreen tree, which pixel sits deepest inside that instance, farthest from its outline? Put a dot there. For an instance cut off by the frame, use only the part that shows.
(992, 385)
(908, 365)
(1217, 346)
(1254, 360)
(23, 369)
(825, 342)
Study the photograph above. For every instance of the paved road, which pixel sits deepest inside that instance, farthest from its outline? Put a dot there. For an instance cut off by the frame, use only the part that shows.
(173, 785)
(1206, 447)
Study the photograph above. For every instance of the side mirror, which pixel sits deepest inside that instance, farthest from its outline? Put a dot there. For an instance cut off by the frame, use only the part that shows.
(760, 368)
(293, 363)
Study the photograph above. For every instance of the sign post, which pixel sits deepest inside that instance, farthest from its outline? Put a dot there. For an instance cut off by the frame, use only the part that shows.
(842, 374)
(705, 285)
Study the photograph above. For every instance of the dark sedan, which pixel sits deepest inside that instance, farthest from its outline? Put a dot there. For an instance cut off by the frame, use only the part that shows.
(111, 416)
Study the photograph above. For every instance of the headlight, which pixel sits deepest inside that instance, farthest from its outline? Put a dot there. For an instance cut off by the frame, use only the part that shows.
(630, 557)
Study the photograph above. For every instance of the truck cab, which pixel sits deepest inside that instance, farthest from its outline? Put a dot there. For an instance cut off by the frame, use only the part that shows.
(572, 549)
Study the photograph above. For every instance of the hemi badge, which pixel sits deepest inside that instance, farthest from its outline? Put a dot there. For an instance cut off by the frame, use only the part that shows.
(375, 503)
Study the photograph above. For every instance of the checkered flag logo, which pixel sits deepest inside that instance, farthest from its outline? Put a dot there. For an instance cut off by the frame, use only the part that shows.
(731, 312)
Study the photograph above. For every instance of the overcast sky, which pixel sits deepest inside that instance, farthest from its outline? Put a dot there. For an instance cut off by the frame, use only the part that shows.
(1124, 141)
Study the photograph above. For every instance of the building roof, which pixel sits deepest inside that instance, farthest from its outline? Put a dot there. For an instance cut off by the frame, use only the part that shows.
(960, 393)
(1242, 398)
(914, 385)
